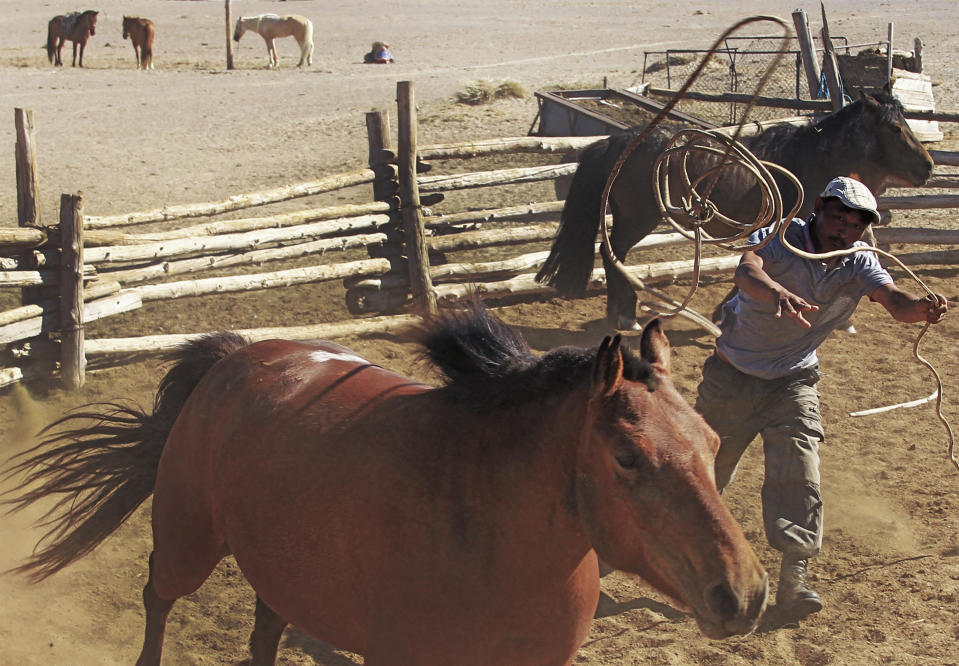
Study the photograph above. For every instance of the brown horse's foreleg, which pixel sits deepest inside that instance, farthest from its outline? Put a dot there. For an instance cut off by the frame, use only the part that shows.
(136, 50)
(157, 610)
(265, 640)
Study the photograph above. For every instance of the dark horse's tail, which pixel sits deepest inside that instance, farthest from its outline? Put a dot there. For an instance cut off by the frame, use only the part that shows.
(570, 260)
(103, 472)
(51, 41)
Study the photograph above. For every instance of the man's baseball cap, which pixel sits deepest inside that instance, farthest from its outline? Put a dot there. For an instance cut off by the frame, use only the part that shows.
(853, 194)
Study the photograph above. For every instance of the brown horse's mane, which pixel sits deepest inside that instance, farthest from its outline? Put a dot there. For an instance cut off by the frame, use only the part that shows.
(486, 363)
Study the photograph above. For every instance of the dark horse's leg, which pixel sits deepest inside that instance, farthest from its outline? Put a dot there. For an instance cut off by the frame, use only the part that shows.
(157, 610)
(265, 640)
(620, 295)
(59, 60)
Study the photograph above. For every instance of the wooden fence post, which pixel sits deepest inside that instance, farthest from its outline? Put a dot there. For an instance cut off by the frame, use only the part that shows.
(229, 35)
(830, 65)
(380, 156)
(889, 56)
(28, 200)
(72, 359)
(808, 51)
(28, 208)
(417, 254)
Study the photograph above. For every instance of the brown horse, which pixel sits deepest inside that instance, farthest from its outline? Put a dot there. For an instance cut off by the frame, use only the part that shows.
(868, 138)
(141, 32)
(78, 27)
(414, 525)
(271, 26)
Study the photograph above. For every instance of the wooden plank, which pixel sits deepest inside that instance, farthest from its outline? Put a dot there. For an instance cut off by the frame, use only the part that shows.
(256, 281)
(165, 269)
(159, 344)
(123, 301)
(180, 247)
(94, 290)
(917, 235)
(923, 202)
(235, 202)
(523, 144)
(445, 183)
(945, 157)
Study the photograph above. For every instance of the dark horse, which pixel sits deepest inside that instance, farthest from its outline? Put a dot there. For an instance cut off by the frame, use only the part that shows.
(868, 138)
(77, 27)
(411, 524)
(141, 32)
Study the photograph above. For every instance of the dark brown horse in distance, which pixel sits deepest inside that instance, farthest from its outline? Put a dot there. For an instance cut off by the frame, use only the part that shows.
(78, 27)
(141, 32)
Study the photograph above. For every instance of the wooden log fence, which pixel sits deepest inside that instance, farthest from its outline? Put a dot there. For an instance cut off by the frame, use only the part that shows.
(114, 271)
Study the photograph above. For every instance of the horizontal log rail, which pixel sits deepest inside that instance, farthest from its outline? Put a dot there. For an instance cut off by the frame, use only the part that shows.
(160, 344)
(258, 281)
(14, 240)
(919, 202)
(180, 247)
(945, 157)
(918, 236)
(465, 181)
(165, 269)
(236, 202)
(41, 278)
(790, 103)
(97, 237)
(48, 321)
(509, 213)
(91, 291)
(522, 144)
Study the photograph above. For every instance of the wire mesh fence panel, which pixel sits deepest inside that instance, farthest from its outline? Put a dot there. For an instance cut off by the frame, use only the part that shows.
(737, 67)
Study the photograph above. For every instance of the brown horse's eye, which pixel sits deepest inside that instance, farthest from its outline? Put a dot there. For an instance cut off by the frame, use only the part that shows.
(627, 459)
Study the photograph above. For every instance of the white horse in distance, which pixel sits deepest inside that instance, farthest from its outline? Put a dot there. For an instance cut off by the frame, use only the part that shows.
(271, 26)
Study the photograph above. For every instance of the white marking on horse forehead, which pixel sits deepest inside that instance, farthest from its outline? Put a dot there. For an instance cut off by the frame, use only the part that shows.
(321, 356)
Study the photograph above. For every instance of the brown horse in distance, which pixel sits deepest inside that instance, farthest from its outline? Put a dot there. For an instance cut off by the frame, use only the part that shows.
(77, 27)
(141, 32)
(415, 525)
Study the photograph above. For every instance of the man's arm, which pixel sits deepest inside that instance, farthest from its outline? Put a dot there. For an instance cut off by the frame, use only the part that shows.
(908, 308)
(752, 278)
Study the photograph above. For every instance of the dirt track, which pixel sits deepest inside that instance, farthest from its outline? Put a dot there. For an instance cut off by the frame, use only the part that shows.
(189, 131)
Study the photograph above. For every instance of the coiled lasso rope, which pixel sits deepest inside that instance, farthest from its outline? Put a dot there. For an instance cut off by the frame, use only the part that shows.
(698, 211)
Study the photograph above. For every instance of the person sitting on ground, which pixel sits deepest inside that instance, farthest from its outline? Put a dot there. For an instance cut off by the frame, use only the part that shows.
(379, 54)
(762, 378)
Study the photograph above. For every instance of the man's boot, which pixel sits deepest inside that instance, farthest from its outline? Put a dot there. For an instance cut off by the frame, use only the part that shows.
(794, 598)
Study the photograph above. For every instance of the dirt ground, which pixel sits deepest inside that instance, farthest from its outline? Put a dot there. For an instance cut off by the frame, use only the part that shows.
(190, 131)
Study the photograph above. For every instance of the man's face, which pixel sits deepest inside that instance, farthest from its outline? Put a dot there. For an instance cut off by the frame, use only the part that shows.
(837, 227)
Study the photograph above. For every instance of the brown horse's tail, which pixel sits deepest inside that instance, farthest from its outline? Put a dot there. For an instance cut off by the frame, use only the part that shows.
(102, 472)
(51, 42)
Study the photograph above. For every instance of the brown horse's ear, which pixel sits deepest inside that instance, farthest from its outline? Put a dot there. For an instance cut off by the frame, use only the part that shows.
(654, 346)
(608, 373)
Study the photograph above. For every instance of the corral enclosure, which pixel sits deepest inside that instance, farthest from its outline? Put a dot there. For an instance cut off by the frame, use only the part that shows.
(891, 509)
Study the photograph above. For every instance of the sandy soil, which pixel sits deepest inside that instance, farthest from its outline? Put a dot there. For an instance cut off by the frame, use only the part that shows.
(190, 131)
